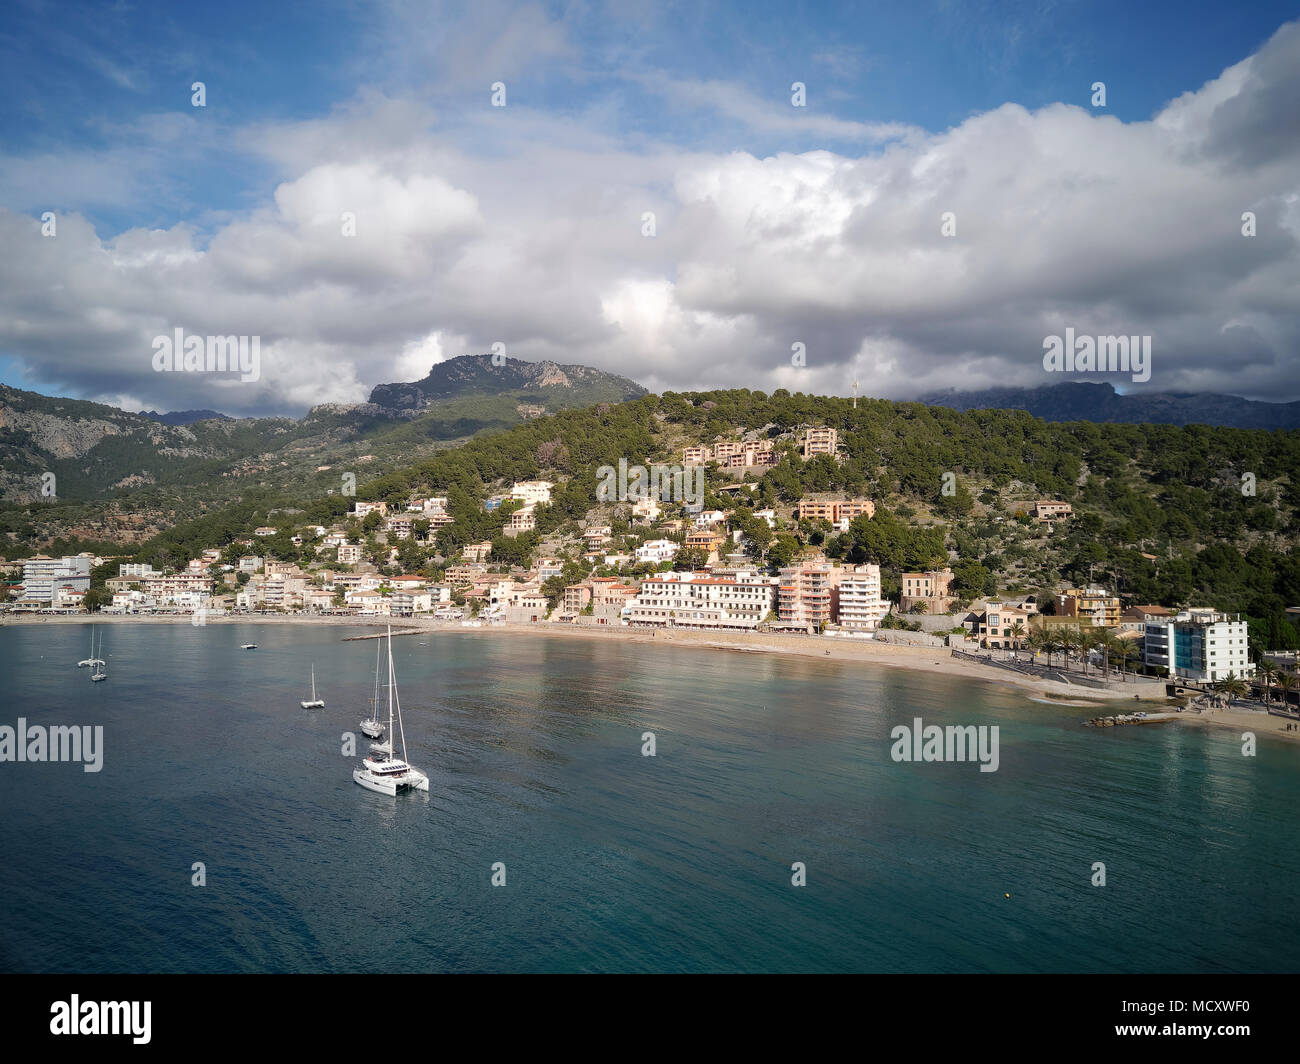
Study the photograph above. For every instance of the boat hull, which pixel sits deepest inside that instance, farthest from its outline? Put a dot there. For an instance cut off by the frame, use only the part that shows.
(318, 704)
(412, 781)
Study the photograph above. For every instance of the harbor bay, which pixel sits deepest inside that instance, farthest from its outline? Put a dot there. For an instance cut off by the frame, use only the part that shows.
(224, 832)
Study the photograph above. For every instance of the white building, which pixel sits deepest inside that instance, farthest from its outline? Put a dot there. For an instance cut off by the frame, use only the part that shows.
(409, 603)
(861, 609)
(656, 551)
(532, 492)
(43, 576)
(135, 569)
(645, 510)
(738, 601)
(1201, 645)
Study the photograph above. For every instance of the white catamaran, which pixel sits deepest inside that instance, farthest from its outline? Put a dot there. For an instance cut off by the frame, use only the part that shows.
(314, 703)
(91, 661)
(372, 727)
(382, 771)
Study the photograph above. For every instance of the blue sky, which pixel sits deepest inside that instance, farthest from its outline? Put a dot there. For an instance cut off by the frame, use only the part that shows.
(96, 123)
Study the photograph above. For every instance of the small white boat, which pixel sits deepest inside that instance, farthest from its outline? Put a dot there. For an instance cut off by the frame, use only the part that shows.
(91, 661)
(382, 771)
(247, 646)
(314, 702)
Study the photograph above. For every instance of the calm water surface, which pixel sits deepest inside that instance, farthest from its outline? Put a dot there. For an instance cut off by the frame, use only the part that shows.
(614, 861)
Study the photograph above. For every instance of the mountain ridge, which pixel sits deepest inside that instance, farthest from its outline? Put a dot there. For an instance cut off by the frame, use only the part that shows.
(1098, 402)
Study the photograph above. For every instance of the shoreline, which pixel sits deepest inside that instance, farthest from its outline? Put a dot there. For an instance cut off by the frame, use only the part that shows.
(894, 655)
(938, 660)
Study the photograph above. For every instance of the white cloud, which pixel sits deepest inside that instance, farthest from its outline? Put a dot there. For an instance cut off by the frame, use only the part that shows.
(525, 228)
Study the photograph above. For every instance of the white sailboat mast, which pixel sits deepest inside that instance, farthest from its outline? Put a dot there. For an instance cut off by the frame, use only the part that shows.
(392, 697)
(390, 682)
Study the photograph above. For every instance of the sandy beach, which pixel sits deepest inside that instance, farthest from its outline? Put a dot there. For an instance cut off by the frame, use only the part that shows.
(1242, 719)
(922, 659)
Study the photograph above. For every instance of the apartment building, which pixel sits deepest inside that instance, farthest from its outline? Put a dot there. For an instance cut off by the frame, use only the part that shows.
(178, 589)
(520, 521)
(400, 526)
(834, 510)
(135, 570)
(364, 509)
(43, 576)
(1092, 605)
(477, 552)
(736, 602)
(751, 453)
(1200, 645)
(409, 603)
(349, 554)
(697, 455)
(459, 575)
(819, 441)
(861, 609)
(808, 594)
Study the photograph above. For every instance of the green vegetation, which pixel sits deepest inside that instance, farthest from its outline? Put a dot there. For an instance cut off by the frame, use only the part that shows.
(1159, 510)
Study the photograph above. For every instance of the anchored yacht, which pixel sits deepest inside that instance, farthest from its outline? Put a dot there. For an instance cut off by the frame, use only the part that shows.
(313, 702)
(382, 771)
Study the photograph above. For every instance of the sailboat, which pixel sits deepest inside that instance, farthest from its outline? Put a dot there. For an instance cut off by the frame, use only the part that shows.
(315, 703)
(382, 771)
(372, 727)
(92, 660)
(98, 671)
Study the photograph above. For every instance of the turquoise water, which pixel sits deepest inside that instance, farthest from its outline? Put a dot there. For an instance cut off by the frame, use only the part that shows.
(615, 861)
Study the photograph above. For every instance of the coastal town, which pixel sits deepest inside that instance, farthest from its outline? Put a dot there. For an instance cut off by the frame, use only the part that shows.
(661, 563)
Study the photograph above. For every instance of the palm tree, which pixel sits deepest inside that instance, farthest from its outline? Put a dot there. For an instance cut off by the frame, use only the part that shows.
(1121, 648)
(1107, 643)
(1018, 632)
(1267, 670)
(1232, 685)
(1286, 683)
(1068, 642)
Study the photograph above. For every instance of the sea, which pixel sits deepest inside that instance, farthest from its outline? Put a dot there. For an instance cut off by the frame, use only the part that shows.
(606, 806)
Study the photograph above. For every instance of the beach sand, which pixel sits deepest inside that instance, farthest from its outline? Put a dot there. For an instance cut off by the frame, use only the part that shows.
(1241, 719)
(865, 651)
